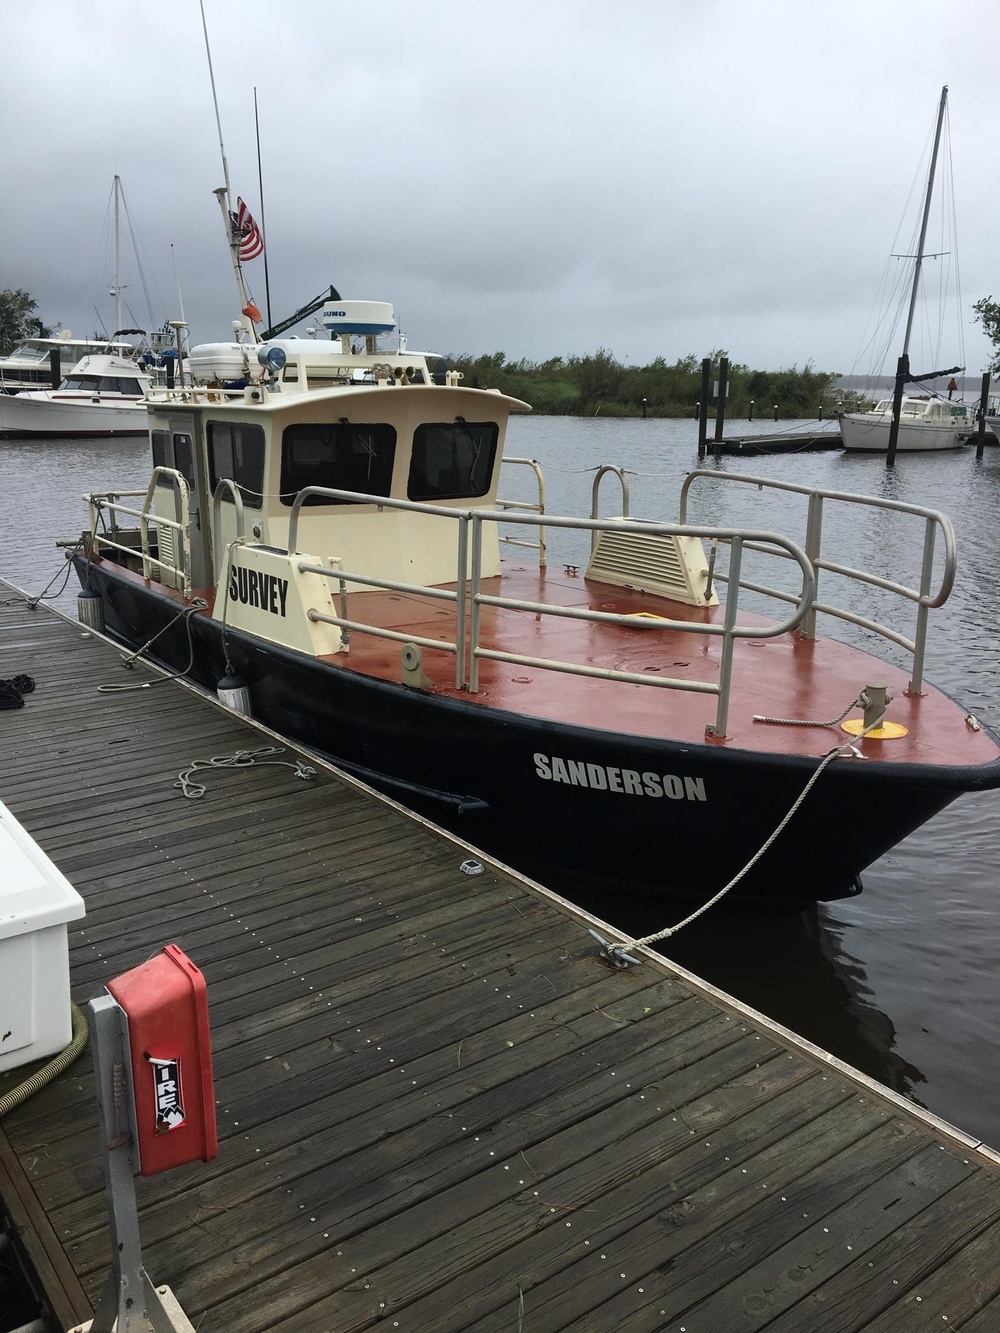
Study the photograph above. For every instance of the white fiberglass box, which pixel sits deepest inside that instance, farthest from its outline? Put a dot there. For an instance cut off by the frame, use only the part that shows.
(36, 902)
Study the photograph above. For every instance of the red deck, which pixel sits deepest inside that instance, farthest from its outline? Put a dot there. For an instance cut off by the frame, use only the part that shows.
(785, 677)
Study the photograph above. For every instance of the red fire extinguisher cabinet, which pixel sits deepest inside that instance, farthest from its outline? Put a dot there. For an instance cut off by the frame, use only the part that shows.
(165, 1002)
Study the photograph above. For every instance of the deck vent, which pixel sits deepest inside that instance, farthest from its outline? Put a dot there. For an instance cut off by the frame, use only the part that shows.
(165, 544)
(672, 567)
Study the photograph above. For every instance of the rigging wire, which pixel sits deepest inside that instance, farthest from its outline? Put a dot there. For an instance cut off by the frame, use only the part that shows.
(887, 314)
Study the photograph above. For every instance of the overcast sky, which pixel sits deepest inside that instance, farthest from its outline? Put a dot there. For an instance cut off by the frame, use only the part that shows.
(541, 177)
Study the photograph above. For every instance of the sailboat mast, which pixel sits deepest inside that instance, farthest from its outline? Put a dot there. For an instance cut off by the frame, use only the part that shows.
(924, 220)
(118, 260)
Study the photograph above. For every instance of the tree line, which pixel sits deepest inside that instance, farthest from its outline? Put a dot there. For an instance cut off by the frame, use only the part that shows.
(18, 320)
(600, 385)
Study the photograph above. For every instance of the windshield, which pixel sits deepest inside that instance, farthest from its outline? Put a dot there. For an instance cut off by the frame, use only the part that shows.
(28, 352)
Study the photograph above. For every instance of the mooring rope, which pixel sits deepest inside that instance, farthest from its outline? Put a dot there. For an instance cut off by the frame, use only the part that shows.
(198, 604)
(862, 701)
(194, 791)
(617, 953)
(31, 601)
(237, 541)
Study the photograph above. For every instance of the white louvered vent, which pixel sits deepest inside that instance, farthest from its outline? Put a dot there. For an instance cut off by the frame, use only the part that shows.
(165, 543)
(672, 567)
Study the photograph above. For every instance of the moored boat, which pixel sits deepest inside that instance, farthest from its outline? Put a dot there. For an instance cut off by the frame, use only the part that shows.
(329, 545)
(925, 425)
(30, 364)
(102, 395)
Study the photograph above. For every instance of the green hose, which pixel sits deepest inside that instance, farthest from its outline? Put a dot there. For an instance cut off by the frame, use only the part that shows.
(55, 1066)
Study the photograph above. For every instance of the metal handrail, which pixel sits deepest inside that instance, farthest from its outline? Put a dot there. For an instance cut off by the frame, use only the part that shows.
(343, 577)
(96, 503)
(595, 490)
(924, 598)
(223, 485)
(538, 507)
(469, 588)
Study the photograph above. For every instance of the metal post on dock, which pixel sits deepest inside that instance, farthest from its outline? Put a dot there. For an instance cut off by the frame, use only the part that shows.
(720, 404)
(902, 376)
(129, 1303)
(984, 402)
(706, 384)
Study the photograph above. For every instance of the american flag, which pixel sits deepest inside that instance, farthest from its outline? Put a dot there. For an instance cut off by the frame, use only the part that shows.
(251, 241)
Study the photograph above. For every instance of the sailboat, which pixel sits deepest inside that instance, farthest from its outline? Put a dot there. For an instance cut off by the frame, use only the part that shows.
(104, 392)
(910, 422)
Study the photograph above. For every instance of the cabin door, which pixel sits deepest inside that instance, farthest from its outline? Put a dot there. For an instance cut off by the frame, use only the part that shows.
(175, 446)
(235, 452)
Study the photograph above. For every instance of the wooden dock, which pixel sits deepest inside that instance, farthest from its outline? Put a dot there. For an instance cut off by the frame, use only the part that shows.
(438, 1108)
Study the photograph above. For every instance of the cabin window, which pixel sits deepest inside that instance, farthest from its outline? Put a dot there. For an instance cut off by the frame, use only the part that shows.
(162, 453)
(344, 455)
(452, 460)
(184, 456)
(236, 451)
(173, 451)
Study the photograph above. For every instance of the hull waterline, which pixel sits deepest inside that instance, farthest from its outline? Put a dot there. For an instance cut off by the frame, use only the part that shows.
(869, 433)
(25, 415)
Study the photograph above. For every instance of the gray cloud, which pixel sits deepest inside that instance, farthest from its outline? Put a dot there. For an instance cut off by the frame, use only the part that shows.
(655, 177)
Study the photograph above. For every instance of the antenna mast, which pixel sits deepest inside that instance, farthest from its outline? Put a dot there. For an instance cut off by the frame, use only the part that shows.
(263, 223)
(223, 192)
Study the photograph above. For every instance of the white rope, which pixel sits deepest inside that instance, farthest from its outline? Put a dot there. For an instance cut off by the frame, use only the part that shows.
(614, 952)
(197, 604)
(194, 791)
(862, 701)
(237, 541)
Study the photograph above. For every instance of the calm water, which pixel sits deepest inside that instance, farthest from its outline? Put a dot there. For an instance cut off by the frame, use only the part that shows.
(901, 982)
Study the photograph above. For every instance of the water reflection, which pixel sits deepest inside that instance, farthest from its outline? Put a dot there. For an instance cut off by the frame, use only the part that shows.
(796, 969)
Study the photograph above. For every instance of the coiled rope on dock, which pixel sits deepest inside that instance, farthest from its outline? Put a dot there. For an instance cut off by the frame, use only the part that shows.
(194, 791)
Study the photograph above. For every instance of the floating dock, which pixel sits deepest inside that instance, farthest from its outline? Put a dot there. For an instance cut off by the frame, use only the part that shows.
(438, 1107)
(798, 443)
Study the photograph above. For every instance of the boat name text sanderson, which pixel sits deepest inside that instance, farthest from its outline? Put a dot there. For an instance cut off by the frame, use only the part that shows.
(627, 781)
(256, 589)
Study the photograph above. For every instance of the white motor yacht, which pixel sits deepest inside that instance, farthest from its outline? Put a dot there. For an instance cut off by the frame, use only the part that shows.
(104, 394)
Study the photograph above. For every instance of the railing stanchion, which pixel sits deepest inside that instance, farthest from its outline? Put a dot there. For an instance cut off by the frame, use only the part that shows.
(461, 602)
(923, 611)
(728, 644)
(477, 572)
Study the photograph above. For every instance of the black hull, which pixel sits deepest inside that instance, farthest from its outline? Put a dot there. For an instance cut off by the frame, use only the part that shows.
(473, 770)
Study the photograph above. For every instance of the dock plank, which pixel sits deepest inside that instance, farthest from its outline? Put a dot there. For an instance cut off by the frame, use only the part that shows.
(438, 1108)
